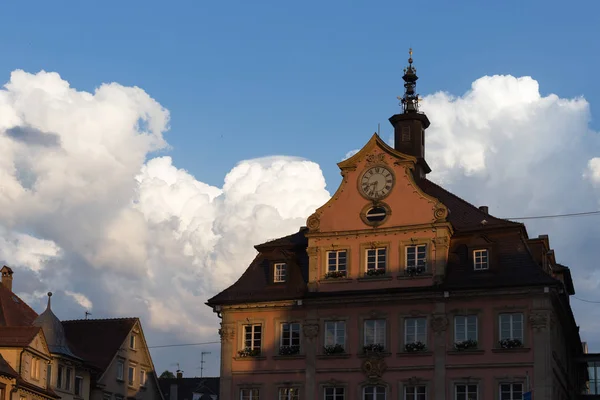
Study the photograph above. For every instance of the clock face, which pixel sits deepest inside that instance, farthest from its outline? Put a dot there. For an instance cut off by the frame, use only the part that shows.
(376, 182)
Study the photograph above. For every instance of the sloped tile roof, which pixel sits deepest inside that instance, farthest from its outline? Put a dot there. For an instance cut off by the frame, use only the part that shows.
(13, 310)
(6, 369)
(17, 336)
(186, 387)
(97, 340)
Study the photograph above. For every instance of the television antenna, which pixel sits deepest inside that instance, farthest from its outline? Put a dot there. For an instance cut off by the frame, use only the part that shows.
(202, 361)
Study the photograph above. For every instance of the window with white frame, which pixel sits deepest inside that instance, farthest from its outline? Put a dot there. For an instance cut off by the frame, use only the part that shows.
(415, 330)
(249, 394)
(466, 392)
(374, 332)
(78, 386)
(511, 391)
(289, 340)
(335, 393)
(511, 326)
(35, 368)
(289, 394)
(280, 271)
(465, 328)
(376, 259)
(120, 370)
(337, 261)
(416, 256)
(415, 392)
(132, 341)
(373, 393)
(49, 374)
(481, 259)
(252, 336)
(143, 377)
(60, 374)
(68, 378)
(335, 333)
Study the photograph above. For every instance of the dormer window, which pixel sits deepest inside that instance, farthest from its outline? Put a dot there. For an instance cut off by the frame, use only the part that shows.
(481, 259)
(280, 272)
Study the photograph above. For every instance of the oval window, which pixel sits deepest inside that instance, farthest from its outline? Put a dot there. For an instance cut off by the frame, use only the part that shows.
(376, 214)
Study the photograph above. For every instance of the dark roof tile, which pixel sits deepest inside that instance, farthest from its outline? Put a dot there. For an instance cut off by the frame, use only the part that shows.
(13, 310)
(186, 387)
(17, 336)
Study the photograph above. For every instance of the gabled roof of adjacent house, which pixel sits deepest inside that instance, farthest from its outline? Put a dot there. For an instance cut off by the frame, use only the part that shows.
(18, 336)
(6, 369)
(518, 267)
(97, 340)
(13, 310)
(186, 387)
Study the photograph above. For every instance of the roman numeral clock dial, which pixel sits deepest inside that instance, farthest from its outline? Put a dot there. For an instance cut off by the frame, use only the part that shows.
(376, 183)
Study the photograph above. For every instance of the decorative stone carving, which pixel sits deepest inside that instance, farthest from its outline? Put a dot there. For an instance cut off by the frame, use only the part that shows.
(227, 333)
(312, 251)
(310, 330)
(539, 321)
(441, 241)
(440, 213)
(414, 381)
(376, 159)
(313, 222)
(374, 367)
(439, 323)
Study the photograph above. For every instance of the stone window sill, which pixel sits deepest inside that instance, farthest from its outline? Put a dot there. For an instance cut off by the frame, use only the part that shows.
(290, 357)
(427, 275)
(375, 278)
(257, 358)
(333, 356)
(414, 354)
(382, 354)
(513, 350)
(335, 280)
(465, 352)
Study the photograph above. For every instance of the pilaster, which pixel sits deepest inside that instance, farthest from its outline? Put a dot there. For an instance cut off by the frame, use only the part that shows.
(439, 327)
(311, 333)
(540, 320)
(227, 334)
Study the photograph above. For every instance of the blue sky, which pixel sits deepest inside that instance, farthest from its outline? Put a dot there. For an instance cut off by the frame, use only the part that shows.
(313, 79)
(245, 79)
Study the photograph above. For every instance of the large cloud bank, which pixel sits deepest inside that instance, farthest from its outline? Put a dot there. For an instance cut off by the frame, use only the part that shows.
(85, 209)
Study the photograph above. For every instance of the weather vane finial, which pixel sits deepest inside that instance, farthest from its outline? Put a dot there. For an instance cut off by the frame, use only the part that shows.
(410, 101)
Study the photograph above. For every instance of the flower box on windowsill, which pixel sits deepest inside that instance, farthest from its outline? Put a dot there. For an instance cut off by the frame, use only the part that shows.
(333, 349)
(289, 350)
(375, 272)
(413, 271)
(335, 275)
(415, 347)
(465, 345)
(373, 348)
(510, 343)
(375, 275)
(248, 353)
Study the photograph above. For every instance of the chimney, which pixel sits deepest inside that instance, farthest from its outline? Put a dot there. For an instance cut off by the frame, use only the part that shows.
(179, 374)
(485, 209)
(7, 278)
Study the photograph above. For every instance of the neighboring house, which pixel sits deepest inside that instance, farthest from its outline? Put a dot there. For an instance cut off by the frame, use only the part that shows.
(399, 289)
(116, 351)
(189, 388)
(24, 357)
(68, 374)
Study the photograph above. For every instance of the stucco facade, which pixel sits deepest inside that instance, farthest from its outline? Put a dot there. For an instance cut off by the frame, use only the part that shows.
(398, 289)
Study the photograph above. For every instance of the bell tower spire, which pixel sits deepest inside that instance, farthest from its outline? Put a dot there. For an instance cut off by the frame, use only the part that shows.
(409, 126)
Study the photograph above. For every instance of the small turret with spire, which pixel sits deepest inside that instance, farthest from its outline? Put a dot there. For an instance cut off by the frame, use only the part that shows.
(410, 125)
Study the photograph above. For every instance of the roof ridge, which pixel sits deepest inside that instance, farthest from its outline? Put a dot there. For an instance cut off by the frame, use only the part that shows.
(470, 204)
(102, 319)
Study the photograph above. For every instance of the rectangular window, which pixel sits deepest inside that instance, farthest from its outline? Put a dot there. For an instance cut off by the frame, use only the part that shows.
(418, 392)
(466, 392)
(280, 272)
(416, 256)
(465, 328)
(143, 378)
(252, 336)
(289, 338)
(511, 326)
(78, 386)
(336, 262)
(335, 333)
(49, 374)
(335, 393)
(35, 368)
(289, 394)
(415, 330)
(376, 259)
(374, 332)
(120, 370)
(131, 375)
(511, 391)
(106, 396)
(249, 394)
(374, 393)
(480, 259)
(594, 375)
(59, 376)
(132, 342)
(406, 133)
(69, 377)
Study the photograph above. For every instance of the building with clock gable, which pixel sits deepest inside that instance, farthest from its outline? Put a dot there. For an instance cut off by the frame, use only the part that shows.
(399, 289)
